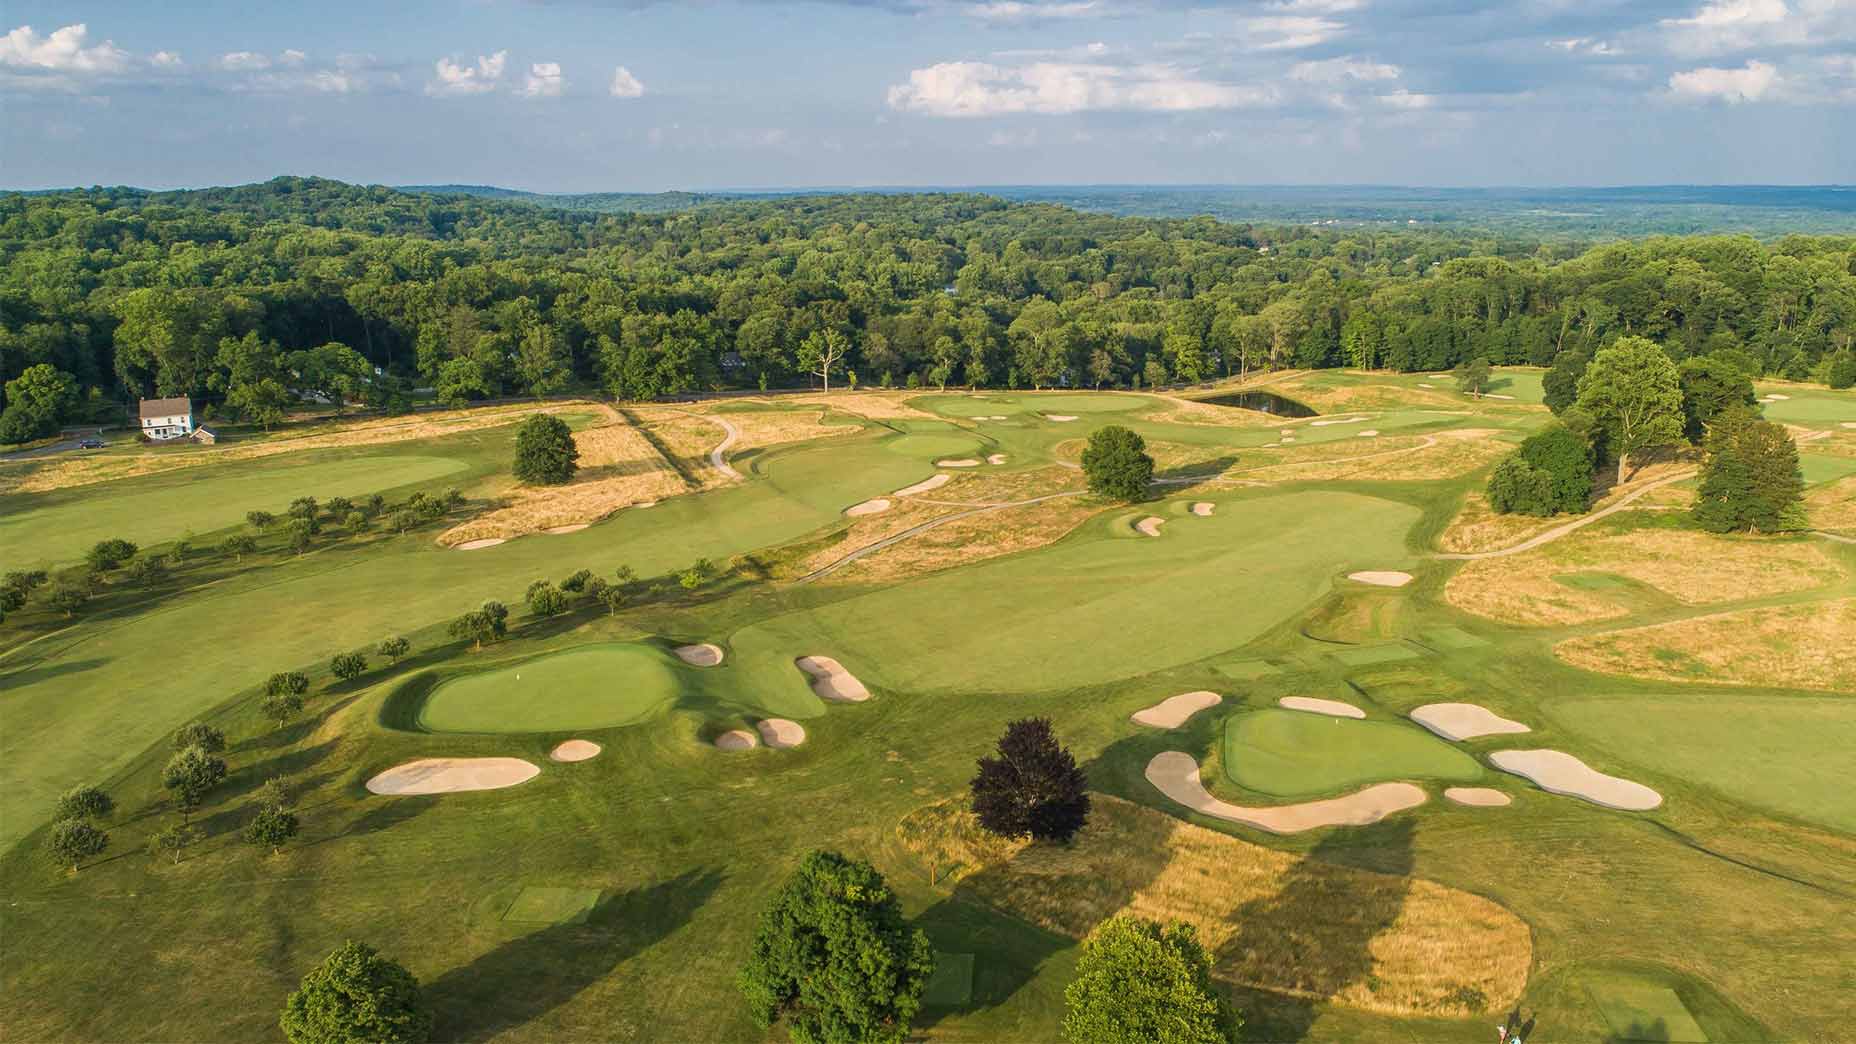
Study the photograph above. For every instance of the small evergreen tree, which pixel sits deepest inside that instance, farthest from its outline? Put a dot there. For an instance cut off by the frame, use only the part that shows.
(1140, 981)
(1032, 788)
(355, 994)
(545, 451)
(1750, 479)
(1116, 463)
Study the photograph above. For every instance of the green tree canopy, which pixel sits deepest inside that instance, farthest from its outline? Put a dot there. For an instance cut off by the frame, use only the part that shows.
(545, 451)
(1710, 385)
(1031, 786)
(1116, 463)
(1138, 980)
(1750, 479)
(74, 840)
(1632, 391)
(834, 957)
(356, 994)
(84, 802)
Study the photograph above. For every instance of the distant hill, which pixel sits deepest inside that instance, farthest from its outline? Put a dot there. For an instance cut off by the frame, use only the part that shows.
(596, 202)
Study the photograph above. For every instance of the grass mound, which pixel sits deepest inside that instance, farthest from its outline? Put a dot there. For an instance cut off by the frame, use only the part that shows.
(597, 686)
(1271, 920)
(1289, 754)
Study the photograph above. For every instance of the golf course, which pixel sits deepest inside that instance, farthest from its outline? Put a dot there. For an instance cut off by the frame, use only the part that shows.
(1403, 763)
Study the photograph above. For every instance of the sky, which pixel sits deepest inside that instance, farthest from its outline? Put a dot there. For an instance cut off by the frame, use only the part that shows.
(634, 95)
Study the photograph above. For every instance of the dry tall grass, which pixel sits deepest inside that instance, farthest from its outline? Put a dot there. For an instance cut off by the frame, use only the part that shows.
(618, 468)
(1804, 646)
(1693, 568)
(1832, 505)
(1272, 920)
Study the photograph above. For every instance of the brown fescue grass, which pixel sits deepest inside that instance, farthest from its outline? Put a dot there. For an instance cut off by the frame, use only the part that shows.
(1477, 528)
(686, 440)
(618, 468)
(874, 405)
(975, 538)
(1692, 568)
(1272, 920)
(1325, 398)
(1804, 646)
(1832, 506)
(1171, 409)
(67, 471)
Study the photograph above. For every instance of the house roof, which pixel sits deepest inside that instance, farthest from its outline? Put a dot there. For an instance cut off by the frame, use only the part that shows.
(166, 407)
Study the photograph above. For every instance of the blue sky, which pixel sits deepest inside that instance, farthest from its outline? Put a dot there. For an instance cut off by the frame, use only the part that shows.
(631, 95)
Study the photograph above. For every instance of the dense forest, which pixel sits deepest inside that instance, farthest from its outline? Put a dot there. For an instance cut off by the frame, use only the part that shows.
(250, 297)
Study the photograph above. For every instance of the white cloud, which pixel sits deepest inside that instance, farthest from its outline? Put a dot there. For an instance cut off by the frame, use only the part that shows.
(1748, 84)
(544, 80)
(244, 61)
(1404, 99)
(64, 51)
(165, 60)
(1720, 13)
(1055, 88)
(1021, 11)
(625, 85)
(293, 57)
(1341, 70)
(454, 77)
(1289, 32)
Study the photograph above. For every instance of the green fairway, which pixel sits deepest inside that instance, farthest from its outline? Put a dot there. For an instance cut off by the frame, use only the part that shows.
(951, 985)
(593, 687)
(1639, 1011)
(543, 904)
(1287, 753)
(1807, 406)
(62, 525)
(1367, 655)
(1791, 755)
(1822, 467)
(1081, 612)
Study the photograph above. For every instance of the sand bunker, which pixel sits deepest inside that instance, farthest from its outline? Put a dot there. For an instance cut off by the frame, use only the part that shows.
(1335, 420)
(1561, 773)
(1332, 708)
(1492, 395)
(704, 655)
(1423, 385)
(574, 528)
(868, 507)
(1060, 417)
(1177, 776)
(574, 750)
(1477, 797)
(473, 545)
(996, 458)
(1381, 577)
(831, 681)
(964, 462)
(646, 504)
(1174, 711)
(1150, 525)
(1464, 721)
(924, 485)
(1202, 508)
(1776, 397)
(452, 775)
(1369, 433)
(737, 739)
(781, 734)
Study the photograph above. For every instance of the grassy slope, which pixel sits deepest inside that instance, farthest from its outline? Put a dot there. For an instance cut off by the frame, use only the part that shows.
(1724, 898)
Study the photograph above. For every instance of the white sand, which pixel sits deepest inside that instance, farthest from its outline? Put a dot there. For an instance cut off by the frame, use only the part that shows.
(646, 504)
(452, 775)
(704, 655)
(1464, 721)
(1177, 776)
(1847, 424)
(1332, 708)
(1286, 439)
(574, 750)
(558, 530)
(1174, 711)
(1203, 508)
(781, 734)
(1381, 577)
(1286, 432)
(1370, 433)
(1423, 385)
(1335, 420)
(831, 681)
(737, 739)
(995, 458)
(1776, 397)
(1477, 797)
(963, 462)
(1561, 773)
(1060, 417)
(868, 507)
(935, 482)
(474, 545)
(1492, 395)
(1150, 525)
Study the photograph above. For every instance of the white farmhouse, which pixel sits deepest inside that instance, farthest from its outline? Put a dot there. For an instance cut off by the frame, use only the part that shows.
(164, 419)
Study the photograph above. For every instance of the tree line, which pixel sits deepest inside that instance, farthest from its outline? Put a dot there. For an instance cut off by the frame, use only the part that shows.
(255, 297)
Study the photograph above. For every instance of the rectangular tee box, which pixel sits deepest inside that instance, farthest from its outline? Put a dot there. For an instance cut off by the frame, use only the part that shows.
(1246, 670)
(548, 904)
(1642, 1012)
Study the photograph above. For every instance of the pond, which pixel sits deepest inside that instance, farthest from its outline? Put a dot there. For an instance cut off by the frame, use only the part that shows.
(1262, 401)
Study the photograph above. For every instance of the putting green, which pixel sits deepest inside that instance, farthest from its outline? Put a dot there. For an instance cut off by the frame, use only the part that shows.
(596, 686)
(1789, 755)
(61, 526)
(1289, 753)
(1807, 407)
(542, 904)
(1094, 608)
(1642, 1011)
(1821, 467)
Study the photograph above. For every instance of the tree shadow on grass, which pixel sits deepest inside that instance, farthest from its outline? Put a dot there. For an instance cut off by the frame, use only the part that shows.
(1190, 476)
(1313, 939)
(1008, 953)
(524, 979)
(33, 675)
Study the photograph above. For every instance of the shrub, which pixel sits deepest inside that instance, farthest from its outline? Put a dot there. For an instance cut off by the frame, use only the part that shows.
(355, 994)
(108, 554)
(1519, 488)
(1116, 463)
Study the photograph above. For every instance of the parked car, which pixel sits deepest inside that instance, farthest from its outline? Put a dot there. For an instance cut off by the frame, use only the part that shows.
(90, 444)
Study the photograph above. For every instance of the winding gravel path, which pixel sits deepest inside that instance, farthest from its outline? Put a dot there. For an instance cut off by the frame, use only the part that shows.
(1559, 531)
(719, 462)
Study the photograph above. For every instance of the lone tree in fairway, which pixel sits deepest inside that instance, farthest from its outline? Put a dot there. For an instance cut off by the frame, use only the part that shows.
(1116, 463)
(273, 826)
(73, 841)
(1139, 980)
(545, 451)
(834, 956)
(1032, 788)
(356, 994)
(1633, 392)
(1749, 478)
(1472, 377)
(394, 648)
